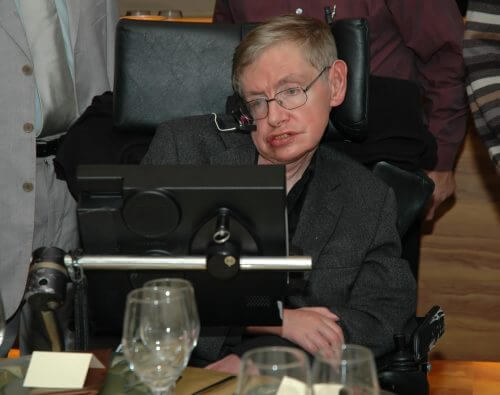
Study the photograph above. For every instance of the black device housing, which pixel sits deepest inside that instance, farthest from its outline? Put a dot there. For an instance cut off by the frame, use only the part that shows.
(176, 211)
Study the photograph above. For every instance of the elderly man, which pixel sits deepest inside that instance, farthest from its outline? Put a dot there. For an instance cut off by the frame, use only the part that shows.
(359, 290)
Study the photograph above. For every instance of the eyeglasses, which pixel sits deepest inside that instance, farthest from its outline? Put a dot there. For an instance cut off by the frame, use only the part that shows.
(289, 99)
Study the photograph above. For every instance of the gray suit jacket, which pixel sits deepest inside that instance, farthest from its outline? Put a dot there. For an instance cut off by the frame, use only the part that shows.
(92, 27)
(347, 224)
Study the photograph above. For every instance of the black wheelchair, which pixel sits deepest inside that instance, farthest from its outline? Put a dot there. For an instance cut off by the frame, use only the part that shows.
(152, 85)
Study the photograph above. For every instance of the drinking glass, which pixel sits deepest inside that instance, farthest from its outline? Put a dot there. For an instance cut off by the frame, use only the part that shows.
(2, 320)
(170, 14)
(274, 370)
(137, 12)
(182, 285)
(349, 370)
(155, 338)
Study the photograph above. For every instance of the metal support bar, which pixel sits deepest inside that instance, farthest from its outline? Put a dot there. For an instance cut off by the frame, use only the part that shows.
(136, 262)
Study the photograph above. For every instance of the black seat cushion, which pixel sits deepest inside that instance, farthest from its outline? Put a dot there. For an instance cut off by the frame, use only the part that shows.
(395, 132)
(93, 140)
(412, 189)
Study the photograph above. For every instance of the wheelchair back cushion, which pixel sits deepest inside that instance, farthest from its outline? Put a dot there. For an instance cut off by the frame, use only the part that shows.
(166, 70)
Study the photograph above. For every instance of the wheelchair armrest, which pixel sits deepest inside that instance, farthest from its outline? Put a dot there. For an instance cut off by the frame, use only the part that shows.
(412, 190)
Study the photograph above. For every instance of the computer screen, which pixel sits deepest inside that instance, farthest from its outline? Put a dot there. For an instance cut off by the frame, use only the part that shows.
(175, 211)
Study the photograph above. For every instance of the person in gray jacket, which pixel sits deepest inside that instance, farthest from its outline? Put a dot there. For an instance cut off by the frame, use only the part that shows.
(55, 56)
(359, 290)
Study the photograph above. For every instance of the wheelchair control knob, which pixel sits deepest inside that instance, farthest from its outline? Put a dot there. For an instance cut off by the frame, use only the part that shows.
(403, 359)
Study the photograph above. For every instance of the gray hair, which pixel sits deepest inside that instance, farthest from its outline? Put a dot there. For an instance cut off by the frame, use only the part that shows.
(311, 35)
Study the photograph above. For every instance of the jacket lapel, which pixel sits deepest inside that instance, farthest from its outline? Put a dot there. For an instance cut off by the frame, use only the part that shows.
(321, 211)
(10, 21)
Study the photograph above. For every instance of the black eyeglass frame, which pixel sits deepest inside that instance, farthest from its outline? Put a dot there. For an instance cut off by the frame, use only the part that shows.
(304, 90)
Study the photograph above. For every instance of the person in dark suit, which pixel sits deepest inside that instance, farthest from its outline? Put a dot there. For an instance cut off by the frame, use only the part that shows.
(359, 290)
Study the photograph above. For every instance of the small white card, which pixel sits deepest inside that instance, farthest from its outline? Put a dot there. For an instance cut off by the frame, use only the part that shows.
(291, 386)
(66, 370)
(327, 389)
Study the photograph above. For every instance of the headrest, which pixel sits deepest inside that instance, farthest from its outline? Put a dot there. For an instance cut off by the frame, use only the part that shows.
(166, 70)
(353, 47)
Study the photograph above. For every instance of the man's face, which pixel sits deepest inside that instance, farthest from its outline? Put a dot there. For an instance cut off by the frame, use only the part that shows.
(286, 136)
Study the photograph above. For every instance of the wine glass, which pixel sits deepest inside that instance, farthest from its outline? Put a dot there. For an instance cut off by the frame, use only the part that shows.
(2, 320)
(349, 369)
(155, 337)
(182, 285)
(137, 12)
(170, 14)
(273, 370)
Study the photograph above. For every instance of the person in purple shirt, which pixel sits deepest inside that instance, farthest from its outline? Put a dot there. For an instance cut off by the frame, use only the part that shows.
(417, 40)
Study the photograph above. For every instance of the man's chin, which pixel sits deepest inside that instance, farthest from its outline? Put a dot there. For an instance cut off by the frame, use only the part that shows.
(285, 157)
(289, 160)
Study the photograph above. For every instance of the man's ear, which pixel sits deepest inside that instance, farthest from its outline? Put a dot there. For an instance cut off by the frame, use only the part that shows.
(337, 77)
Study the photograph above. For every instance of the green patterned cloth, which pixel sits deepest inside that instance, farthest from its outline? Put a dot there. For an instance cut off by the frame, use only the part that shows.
(120, 380)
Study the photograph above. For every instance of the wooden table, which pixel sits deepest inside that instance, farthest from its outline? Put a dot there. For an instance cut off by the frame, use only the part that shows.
(464, 378)
(445, 378)
(193, 379)
(12, 372)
